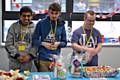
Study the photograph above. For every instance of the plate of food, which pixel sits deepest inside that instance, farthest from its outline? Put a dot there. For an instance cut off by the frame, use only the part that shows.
(13, 75)
(94, 72)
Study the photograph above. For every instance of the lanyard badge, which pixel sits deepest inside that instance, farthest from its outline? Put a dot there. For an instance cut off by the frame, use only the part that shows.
(87, 38)
(21, 46)
(52, 34)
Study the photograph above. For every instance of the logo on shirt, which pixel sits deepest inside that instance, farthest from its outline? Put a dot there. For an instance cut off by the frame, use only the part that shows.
(91, 43)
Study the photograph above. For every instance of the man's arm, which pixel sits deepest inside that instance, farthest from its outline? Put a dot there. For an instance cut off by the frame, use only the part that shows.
(63, 41)
(94, 51)
(36, 38)
(78, 48)
(9, 44)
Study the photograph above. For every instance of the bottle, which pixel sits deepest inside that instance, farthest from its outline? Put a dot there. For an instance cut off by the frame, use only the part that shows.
(61, 73)
(55, 57)
(59, 69)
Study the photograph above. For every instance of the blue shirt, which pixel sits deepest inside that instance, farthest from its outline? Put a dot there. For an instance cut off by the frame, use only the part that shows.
(82, 39)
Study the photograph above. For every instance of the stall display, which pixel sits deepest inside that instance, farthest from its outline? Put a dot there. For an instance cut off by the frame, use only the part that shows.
(95, 72)
(77, 68)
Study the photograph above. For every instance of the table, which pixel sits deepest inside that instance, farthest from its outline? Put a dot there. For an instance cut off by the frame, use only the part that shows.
(69, 77)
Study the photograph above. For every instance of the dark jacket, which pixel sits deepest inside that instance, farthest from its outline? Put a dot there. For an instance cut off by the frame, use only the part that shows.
(41, 32)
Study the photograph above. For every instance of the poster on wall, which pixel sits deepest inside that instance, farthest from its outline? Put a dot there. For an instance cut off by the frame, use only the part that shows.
(99, 6)
(38, 6)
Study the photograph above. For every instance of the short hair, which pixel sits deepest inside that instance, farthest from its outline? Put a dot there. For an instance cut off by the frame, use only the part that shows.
(55, 7)
(92, 13)
(26, 9)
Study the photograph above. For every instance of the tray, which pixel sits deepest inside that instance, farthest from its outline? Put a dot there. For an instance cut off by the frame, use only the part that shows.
(95, 72)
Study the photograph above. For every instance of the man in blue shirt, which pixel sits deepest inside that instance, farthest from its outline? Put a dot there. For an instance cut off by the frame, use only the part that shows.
(87, 39)
(49, 37)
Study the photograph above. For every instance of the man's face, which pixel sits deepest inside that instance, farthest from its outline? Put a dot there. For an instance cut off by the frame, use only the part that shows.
(53, 15)
(90, 20)
(26, 18)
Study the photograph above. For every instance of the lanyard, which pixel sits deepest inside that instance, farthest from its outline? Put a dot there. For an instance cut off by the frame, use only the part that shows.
(88, 39)
(53, 31)
(23, 33)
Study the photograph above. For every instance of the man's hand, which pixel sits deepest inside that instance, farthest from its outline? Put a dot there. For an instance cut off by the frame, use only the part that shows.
(55, 45)
(51, 46)
(88, 57)
(21, 59)
(91, 51)
(24, 58)
(47, 45)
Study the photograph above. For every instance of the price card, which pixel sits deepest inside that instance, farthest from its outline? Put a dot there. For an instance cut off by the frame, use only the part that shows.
(40, 77)
(21, 47)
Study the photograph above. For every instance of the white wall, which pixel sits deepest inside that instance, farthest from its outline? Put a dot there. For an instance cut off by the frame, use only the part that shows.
(110, 56)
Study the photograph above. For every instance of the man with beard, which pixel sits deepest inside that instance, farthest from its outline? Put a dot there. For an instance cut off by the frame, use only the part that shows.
(87, 40)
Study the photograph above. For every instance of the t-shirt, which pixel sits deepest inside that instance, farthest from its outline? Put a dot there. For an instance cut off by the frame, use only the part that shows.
(87, 38)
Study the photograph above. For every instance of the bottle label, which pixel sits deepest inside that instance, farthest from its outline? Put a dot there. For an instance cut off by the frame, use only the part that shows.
(61, 73)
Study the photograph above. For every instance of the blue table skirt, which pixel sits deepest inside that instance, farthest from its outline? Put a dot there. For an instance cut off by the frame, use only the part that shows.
(69, 77)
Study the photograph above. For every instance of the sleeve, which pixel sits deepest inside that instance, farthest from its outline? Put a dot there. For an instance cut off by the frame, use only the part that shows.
(63, 42)
(99, 37)
(36, 37)
(9, 44)
(75, 37)
(32, 51)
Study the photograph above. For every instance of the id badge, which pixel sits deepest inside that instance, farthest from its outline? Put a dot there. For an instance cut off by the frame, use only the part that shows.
(52, 36)
(21, 47)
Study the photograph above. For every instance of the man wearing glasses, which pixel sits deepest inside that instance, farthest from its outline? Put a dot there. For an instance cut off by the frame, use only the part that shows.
(18, 41)
(49, 37)
(87, 40)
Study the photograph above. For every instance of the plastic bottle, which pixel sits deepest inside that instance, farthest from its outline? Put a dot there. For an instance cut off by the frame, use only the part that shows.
(59, 69)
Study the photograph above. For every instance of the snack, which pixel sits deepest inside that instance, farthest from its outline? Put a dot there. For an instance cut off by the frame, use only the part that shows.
(95, 72)
(12, 75)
